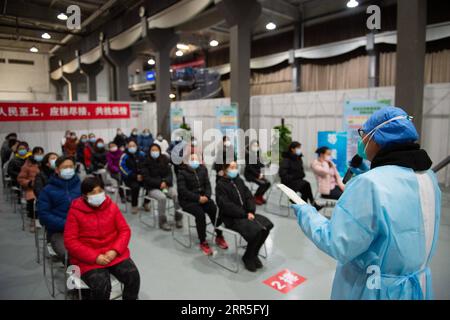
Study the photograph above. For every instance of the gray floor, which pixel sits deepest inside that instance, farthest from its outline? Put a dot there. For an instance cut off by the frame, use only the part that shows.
(169, 271)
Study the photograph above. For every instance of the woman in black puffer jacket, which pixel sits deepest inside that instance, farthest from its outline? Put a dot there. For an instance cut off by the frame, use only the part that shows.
(237, 210)
(194, 194)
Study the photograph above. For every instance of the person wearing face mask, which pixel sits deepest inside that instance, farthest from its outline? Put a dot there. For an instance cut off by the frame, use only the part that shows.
(328, 179)
(157, 178)
(46, 170)
(64, 139)
(238, 212)
(80, 149)
(89, 150)
(292, 173)
(134, 136)
(387, 220)
(163, 144)
(194, 193)
(70, 146)
(54, 202)
(120, 139)
(129, 166)
(98, 158)
(225, 153)
(145, 140)
(17, 161)
(96, 236)
(253, 171)
(112, 164)
(26, 179)
(6, 147)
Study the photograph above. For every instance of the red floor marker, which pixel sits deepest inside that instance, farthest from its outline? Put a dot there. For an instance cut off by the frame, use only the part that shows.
(284, 281)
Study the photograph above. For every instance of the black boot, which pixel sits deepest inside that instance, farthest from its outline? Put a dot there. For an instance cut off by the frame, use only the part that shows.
(262, 239)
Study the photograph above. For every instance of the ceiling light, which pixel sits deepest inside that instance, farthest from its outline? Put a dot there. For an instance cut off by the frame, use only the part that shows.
(46, 36)
(214, 43)
(144, 101)
(179, 53)
(271, 26)
(151, 61)
(352, 3)
(171, 96)
(62, 16)
(170, 70)
(182, 46)
(34, 49)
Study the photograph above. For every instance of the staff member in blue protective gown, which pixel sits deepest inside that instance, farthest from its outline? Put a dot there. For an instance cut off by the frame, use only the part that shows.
(384, 228)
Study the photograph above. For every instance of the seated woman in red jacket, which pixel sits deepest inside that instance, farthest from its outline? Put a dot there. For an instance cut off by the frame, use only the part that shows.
(96, 237)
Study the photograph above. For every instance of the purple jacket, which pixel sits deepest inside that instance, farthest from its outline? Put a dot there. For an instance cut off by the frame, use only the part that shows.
(113, 159)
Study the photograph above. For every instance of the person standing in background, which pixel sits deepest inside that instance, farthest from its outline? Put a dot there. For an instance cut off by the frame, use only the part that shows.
(63, 140)
(145, 140)
(384, 228)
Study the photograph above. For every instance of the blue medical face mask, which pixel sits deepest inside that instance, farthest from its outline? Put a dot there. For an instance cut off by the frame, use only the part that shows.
(100, 145)
(362, 149)
(298, 152)
(38, 157)
(232, 173)
(84, 140)
(146, 134)
(67, 173)
(194, 164)
(92, 140)
(97, 199)
(154, 154)
(132, 150)
(22, 152)
(52, 163)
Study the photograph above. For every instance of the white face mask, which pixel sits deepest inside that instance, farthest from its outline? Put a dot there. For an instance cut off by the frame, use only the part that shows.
(227, 143)
(328, 158)
(113, 149)
(97, 199)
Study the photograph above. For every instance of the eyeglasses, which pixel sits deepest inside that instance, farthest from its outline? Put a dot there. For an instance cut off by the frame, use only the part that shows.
(361, 132)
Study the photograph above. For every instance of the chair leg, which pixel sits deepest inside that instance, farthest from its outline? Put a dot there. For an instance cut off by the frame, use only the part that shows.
(189, 245)
(52, 274)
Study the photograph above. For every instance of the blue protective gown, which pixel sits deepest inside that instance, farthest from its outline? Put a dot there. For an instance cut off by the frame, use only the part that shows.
(378, 233)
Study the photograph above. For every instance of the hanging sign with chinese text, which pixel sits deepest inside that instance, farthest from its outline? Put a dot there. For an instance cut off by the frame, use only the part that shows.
(43, 111)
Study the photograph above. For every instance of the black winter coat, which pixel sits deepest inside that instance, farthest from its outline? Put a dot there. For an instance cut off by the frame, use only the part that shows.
(252, 170)
(234, 199)
(14, 166)
(98, 160)
(291, 168)
(156, 171)
(192, 184)
(41, 180)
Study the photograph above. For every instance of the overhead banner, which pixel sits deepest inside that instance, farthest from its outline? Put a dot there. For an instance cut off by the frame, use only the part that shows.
(355, 114)
(176, 118)
(48, 111)
(337, 142)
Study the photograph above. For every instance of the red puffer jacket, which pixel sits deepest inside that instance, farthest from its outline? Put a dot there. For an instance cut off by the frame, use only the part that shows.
(90, 231)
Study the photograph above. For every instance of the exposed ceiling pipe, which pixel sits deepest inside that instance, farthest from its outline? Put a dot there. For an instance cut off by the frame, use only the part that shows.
(86, 22)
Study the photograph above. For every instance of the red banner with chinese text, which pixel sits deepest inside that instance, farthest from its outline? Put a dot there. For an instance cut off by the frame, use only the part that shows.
(44, 111)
